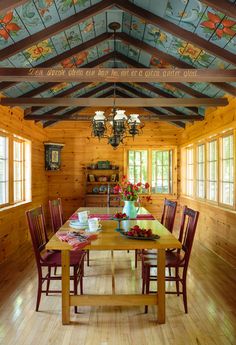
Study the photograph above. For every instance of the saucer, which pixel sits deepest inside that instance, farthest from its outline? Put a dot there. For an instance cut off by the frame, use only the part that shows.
(75, 224)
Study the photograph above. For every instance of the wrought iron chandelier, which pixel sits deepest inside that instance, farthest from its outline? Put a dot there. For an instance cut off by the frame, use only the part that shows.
(117, 126)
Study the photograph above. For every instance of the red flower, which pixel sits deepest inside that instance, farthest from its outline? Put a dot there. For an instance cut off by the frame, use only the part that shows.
(8, 26)
(116, 189)
(147, 185)
(139, 184)
(222, 27)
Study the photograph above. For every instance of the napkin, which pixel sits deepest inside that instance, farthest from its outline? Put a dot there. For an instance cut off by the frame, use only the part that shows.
(76, 240)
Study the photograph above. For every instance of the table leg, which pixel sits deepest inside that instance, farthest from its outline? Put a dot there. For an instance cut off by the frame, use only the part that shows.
(65, 266)
(161, 256)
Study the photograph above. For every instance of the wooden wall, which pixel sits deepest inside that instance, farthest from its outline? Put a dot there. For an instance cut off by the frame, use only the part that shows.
(13, 227)
(80, 150)
(217, 226)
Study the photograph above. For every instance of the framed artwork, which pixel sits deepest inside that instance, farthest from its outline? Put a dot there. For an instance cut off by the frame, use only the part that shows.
(91, 178)
(113, 178)
(53, 156)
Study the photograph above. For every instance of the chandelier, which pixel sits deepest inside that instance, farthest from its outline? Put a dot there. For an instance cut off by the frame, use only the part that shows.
(116, 126)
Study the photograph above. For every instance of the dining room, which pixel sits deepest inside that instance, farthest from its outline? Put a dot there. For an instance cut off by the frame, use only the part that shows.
(117, 172)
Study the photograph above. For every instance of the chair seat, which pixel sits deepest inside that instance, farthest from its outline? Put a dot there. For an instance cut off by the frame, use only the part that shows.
(173, 259)
(54, 258)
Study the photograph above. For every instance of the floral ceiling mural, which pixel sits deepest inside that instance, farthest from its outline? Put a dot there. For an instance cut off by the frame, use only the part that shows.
(194, 16)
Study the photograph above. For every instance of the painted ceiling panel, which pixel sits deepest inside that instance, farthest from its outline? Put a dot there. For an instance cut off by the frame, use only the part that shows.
(191, 15)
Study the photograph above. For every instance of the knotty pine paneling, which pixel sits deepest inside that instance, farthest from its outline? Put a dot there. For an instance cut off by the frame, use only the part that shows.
(217, 226)
(80, 150)
(13, 226)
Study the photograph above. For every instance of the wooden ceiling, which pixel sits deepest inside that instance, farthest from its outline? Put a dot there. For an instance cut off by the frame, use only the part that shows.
(167, 34)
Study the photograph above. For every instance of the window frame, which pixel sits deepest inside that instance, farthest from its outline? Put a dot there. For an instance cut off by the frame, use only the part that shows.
(190, 147)
(204, 163)
(149, 149)
(4, 134)
(26, 176)
(206, 140)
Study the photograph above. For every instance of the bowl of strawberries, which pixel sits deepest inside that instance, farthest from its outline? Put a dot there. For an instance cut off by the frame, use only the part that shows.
(137, 233)
(119, 216)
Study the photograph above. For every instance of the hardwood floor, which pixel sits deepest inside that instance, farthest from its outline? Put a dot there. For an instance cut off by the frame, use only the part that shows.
(211, 297)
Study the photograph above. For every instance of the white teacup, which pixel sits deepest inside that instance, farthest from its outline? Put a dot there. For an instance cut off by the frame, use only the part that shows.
(94, 224)
(83, 217)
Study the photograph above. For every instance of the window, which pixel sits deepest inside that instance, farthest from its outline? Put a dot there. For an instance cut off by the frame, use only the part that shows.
(162, 172)
(137, 166)
(189, 171)
(212, 171)
(3, 170)
(15, 169)
(201, 171)
(227, 170)
(153, 166)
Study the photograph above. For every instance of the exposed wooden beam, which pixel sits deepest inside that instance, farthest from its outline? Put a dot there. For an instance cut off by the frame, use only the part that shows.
(69, 53)
(137, 75)
(55, 28)
(48, 86)
(70, 112)
(77, 116)
(168, 58)
(224, 6)
(176, 30)
(103, 102)
(138, 93)
(7, 5)
(186, 89)
(155, 111)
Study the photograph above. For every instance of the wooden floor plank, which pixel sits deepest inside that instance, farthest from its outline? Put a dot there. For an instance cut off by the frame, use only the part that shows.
(211, 296)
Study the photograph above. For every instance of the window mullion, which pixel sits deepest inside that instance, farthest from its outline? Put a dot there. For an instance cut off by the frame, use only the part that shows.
(11, 171)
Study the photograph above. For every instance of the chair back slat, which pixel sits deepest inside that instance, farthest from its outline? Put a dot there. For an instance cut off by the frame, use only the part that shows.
(55, 207)
(187, 231)
(37, 228)
(168, 215)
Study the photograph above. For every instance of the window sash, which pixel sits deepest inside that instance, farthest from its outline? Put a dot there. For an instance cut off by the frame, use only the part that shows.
(161, 171)
(189, 171)
(200, 179)
(227, 170)
(138, 166)
(16, 161)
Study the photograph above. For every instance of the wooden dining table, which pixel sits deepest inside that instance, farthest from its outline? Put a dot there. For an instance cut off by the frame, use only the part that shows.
(109, 239)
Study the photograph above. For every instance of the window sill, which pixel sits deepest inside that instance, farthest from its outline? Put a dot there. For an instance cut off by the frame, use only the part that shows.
(8, 207)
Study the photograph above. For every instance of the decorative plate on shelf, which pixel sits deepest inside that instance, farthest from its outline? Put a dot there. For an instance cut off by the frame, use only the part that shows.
(150, 238)
(96, 190)
(102, 189)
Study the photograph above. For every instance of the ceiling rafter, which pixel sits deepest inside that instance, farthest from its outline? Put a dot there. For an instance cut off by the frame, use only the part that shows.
(55, 29)
(168, 58)
(155, 111)
(67, 54)
(223, 6)
(75, 110)
(162, 94)
(7, 5)
(176, 30)
(188, 90)
(48, 86)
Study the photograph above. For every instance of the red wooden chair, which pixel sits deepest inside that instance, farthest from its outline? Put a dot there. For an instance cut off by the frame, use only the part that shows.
(167, 219)
(56, 213)
(178, 259)
(51, 259)
(168, 214)
(57, 219)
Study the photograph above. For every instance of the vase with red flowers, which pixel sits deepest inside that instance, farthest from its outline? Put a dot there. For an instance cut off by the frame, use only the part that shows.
(130, 194)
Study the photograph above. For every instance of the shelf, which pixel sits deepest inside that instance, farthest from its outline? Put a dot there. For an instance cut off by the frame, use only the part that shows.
(102, 169)
(98, 182)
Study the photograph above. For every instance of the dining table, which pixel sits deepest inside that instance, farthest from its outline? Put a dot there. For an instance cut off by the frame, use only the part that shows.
(108, 239)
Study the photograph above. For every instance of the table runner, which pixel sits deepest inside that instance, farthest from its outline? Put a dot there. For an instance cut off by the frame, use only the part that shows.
(109, 216)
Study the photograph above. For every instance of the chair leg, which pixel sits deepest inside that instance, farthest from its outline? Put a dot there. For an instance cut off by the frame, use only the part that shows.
(147, 284)
(48, 280)
(177, 280)
(75, 280)
(185, 296)
(87, 257)
(39, 293)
